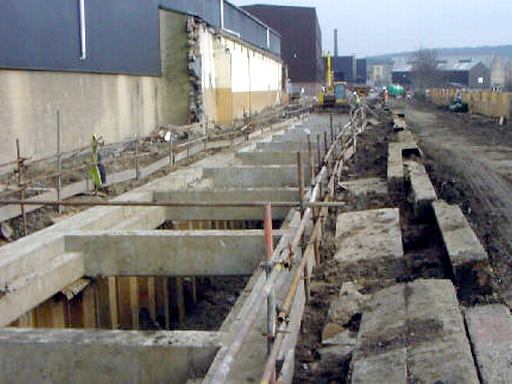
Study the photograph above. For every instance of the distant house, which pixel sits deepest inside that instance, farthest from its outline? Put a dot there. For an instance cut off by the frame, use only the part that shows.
(301, 43)
(461, 74)
(466, 74)
(402, 73)
(498, 74)
(379, 74)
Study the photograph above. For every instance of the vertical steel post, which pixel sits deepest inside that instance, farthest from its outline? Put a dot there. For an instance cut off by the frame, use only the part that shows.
(137, 171)
(59, 163)
(271, 301)
(171, 154)
(300, 176)
(311, 160)
(188, 146)
(19, 161)
(319, 151)
(332, 130)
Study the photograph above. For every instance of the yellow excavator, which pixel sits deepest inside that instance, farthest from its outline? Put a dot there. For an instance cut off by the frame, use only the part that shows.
(334, 95)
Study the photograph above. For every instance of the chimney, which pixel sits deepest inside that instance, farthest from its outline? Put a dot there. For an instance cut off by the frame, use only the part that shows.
(335, 43)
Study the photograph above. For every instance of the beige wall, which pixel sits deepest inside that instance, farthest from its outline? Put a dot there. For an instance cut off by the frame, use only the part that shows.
(236, 79)
(115, 106)
(243, 79)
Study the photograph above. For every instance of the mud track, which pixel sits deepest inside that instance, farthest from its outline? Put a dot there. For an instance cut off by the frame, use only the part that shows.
(470, 162)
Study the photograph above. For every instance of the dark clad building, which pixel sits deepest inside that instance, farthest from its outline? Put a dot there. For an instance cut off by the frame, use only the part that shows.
(301, 42)
(344, 68)
(114, 36)
(361, 74)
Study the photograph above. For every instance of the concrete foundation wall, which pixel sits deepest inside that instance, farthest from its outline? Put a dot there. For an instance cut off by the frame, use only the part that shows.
(115, 106)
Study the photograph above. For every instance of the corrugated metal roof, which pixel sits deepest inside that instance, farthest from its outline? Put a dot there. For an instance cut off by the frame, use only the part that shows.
(457, 66)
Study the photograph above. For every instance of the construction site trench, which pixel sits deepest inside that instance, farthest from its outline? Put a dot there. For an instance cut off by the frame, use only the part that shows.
(386, 282)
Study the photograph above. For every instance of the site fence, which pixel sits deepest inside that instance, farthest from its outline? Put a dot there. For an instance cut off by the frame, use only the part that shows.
(485, 103)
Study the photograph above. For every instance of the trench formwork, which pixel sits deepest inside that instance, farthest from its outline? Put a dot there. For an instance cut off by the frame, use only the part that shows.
(104, 296)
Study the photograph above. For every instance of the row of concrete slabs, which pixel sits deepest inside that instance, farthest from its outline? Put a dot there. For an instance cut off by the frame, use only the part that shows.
(417, 331)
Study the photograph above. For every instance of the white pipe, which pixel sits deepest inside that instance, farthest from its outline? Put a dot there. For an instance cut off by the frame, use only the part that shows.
(221, 14)
(83, 35)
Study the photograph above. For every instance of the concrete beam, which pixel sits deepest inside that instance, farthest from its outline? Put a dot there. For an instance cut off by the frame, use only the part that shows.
(490, 331)
(468, 258)
(226, 213)
(30, 290)
(286, 146)
(169, 253)
(423, 192)
(256, 177)
(274, 158)
(104, 357)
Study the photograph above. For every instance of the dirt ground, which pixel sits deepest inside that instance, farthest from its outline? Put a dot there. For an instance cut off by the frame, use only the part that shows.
(424, 253)
(469, 159)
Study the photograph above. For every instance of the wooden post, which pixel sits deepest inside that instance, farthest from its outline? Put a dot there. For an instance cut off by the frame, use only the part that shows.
(112, 298)
(151, 297)
(180, 299)
(134, 301)
(167, 303)
(19, 161)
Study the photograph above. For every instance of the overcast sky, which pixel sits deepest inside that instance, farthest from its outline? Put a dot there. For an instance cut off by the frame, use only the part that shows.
(370, 27)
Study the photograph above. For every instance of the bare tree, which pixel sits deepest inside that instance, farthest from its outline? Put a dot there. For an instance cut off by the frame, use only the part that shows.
(426, 74)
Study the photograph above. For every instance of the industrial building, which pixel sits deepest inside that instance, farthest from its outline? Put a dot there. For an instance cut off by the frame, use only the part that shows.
(122, 69)
(301, 43)
(344, 68)
(460, 74)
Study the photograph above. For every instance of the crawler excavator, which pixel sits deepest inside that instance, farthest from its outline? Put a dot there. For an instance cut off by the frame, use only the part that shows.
(334, 95)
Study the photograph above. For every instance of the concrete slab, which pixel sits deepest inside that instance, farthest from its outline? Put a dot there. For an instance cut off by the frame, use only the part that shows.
(169, 253)
(468, 257)
(388, 367)
(274, 158)
(363, 187)
(422, 190)
(490, 331)
(75, 356)
(256, 177)
(395, 171)
(417, 329)
(226, 195)
(369, 243)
